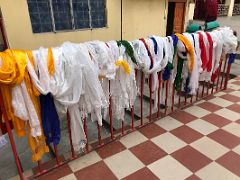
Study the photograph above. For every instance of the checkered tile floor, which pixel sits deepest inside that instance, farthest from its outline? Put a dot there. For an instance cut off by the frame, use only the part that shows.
(200, 142)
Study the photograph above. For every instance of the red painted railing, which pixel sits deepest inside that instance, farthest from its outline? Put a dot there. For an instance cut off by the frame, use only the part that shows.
(173, 101)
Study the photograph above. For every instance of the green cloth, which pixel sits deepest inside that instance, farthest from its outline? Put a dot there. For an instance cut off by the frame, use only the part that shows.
(211, 25)
(179, 74)
(129, 49)
(191, 28)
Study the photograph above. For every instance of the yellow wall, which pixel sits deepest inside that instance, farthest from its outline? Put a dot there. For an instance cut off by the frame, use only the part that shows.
(143, 17)
(19, 30)
(140, 19)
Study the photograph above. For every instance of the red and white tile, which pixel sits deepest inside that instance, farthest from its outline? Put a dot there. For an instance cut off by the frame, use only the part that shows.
(200, 142)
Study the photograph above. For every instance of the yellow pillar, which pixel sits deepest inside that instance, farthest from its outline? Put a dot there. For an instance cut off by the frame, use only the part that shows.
(231, 5)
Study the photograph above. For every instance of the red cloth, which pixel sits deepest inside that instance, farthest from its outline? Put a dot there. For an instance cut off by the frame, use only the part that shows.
(209, 63)
(215, 74)
(206, 10)
(200, 10)
(203, 51)
(211, 10)
(149, 52)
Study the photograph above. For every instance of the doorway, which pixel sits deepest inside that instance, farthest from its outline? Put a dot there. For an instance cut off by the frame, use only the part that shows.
(175, 18)
(3, 37)
(170, 18)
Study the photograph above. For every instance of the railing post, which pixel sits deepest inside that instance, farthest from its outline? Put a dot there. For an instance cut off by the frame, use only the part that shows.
(9, 131)
(227, 76)
(110, 112)
(70, 135)
(230, 60)
(141, 96)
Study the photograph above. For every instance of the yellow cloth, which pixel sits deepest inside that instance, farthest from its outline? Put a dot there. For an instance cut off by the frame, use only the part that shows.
(50, 62)
(13, 72)
(189, 48)
(18, 124)
(124, 65)
(31, 59)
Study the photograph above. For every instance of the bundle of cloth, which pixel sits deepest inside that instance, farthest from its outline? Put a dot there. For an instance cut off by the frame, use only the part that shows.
(40, 86)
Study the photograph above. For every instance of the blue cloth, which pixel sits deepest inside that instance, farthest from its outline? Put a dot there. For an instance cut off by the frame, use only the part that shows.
(155, 44)
(175, 40)
(193, 40)
(186, 88)
(232, 58)
(166, 73)
(50, 119)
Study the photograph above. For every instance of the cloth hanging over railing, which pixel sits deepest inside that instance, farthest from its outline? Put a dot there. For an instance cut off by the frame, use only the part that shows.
(77, 76)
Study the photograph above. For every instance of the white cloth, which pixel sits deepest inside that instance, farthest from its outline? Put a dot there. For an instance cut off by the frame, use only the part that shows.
(194, 76)
(123, 88)
(24, 109)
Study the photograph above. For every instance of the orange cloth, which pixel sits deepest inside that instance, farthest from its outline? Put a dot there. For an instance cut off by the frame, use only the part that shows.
(50, 62)
(13, 72)
(189, 49)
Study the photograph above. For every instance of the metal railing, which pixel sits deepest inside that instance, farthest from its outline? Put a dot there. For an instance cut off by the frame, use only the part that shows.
(136, 117)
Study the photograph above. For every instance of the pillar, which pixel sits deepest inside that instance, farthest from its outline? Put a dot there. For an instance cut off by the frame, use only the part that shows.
(231, 5)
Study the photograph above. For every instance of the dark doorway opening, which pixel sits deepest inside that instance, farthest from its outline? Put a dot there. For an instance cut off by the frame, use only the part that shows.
(170, 18)
(3, 38)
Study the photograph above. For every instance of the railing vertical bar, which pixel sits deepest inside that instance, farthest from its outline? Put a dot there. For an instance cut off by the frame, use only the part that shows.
(180, 94)
(208, 84)
(86, 132)
(141, 97)
(173, 97)
(203, 88)
(122, 129)
(39, 167)
(166, 98)
(150, 102)
(218, 76)
(57, 155)
(159, 91)
(227, 76)
(185, 99)
(132, 112)
(99, 135)
(110, 112)
(197, 93)
(70, 135)
(13, 145)
(224, 68)
(212, 86)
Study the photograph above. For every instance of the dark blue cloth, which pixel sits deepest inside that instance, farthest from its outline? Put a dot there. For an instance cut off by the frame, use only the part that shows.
(50, 119)
(168, 69)
(155, 44)
(193, 40)
(166, 73)
(186, 88)
(232, 58)
(175, 40)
